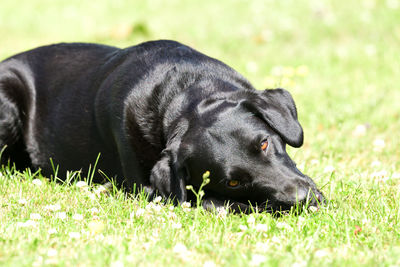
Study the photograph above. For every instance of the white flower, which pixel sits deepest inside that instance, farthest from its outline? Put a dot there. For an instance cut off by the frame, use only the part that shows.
(221, 212)
(360, 130)
(301, 221)
(209, 264)
(376, 163)
(329, 168)
(180, 249)
(379, 145)
(99, 237)
(251, 220)
(37, 182)
(100, 190)
(132, 215)
(28, 223)
(139, 213)
(155, 207)
(74, 235)
(257, 259)
(263, 246)
(22, 201)
(51, 261)
(177, 225)
(157, 199)
(20, 224)
(52, 253)
(35, 216)
(155, 234)
(38, 262)
(94, 211)
(262, 227)
(96, 227)
(282, 225)
(146, 245)
(54, 207)
(61, 215)
(81, 184)
(384, 179)
(171, 215)
(321, 253)
(299, 264)
(313, 209)
(379, 174)
(117, 264)
(77, 217)
(52, 231)
(314, 162)
(396, 175)
(275, 239)
(186, 205)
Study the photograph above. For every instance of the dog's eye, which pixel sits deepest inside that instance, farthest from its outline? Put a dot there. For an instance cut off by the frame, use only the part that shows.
(233, 183)
(264, 145)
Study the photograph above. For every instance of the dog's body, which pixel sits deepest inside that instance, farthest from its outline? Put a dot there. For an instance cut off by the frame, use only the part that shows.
(160, 114)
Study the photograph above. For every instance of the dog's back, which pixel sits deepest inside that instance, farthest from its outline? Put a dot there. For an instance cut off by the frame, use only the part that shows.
(64, 100)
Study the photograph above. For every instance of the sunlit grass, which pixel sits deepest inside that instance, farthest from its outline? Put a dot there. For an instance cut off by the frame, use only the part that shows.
(71, 224)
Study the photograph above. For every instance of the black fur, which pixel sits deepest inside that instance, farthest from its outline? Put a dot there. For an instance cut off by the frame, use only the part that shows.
(160, 114)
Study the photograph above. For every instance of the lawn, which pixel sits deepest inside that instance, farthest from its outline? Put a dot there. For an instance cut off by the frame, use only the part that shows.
(339, 59)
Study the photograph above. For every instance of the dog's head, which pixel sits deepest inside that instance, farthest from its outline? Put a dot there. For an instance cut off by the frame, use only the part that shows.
(241, 139)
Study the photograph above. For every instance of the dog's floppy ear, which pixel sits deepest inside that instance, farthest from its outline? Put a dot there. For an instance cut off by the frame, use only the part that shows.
(169, 175)
(277, 108)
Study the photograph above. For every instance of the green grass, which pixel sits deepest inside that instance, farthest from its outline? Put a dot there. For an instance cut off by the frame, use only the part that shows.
(346, 54)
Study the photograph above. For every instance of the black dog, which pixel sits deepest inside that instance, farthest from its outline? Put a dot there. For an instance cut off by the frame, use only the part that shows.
(160, 114)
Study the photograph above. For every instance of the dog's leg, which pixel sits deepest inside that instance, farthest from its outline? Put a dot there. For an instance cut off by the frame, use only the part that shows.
(11, 125)
(134, 177)
(10, 131)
